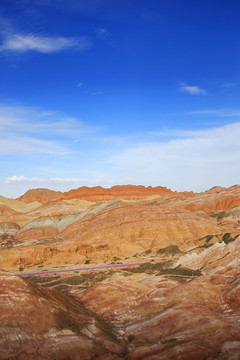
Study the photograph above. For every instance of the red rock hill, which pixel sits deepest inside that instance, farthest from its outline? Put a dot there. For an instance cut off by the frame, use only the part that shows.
(41, 195)
(128, 192)
(97, 193)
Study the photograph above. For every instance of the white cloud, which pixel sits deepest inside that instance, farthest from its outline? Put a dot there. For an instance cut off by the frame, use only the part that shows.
(193, 90)
(26, 130)
(197, 161)
(22, 145)
(179, 159)
(55, 181)
(36, 120)
(43, 44)
(24, 179)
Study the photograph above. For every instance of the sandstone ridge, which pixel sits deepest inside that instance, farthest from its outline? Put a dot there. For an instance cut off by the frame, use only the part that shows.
(128, 272)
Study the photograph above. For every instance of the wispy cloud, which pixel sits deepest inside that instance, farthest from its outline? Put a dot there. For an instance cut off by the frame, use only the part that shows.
(25, 130)
(216, 112)
(89, 91)
(103, 33)
(24, 179)
(96, 93)
(228, 85)
(31, 120)
(15, 179)
(106, 36)
(195, 160)
(21, 43)
(180, 159)
(192, 89)
(20, 144)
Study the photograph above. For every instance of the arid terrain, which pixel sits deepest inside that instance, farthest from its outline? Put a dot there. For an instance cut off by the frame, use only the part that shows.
(127, 272)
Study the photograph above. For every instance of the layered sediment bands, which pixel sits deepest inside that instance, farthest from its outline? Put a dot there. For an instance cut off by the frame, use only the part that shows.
(9, 228)
(214, 253)
(181, 303)
(42, 232)
(141, 224)
(58, 208)
(213, 201)
(30, 256)
(117, 229)
(18, 206)
(38, 323)
(6, 211)
(233, 213)
(45, 227)
(41, 195)
(9, 215)
(175, 314)
(128, 192)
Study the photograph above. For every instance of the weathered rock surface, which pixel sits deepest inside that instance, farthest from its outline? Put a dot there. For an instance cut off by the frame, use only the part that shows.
(214, 200)
(176, 315)
(108, 230)
(41, 195)
(77, 230)
(126, 228)
(18, 205)
(38, 323)
(182, 303)
(128, 192)
(58, 208)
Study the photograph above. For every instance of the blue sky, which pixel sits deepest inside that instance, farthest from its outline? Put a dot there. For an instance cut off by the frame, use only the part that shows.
(105, 92)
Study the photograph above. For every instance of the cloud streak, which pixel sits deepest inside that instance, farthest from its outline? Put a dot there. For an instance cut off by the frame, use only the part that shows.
(192, 90)
(34, 120)
(23, 179)
(21, 43)
(55, 181)
(180, 159)
(25, 145)
(26, 130)
(197, 160)
(216, 112)
(229, 85)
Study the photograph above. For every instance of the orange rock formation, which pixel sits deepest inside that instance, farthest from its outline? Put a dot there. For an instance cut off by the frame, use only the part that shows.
(182, 303)
(37, 323)
(41, 195)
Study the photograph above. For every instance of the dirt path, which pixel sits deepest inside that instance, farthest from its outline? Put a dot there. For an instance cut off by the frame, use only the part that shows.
(89, 268)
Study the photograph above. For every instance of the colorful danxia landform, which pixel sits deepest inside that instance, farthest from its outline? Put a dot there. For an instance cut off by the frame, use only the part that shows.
(127, 272)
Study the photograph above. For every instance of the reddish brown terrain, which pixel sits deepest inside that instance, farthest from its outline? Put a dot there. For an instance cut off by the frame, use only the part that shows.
(128, 192)
(97, 193)
(42, 195)
(182, 303)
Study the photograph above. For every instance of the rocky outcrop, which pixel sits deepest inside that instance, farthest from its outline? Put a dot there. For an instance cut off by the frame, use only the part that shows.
(38, 323)
(9, 228)
(59, 207)
(176, 313)
(181, 303)
(214, 200)
(141, 224)
(128, 192)
(107, 230)
(18, 206)
(41, 195)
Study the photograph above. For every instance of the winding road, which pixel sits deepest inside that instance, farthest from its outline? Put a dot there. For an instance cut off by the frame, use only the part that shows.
(90, 268)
